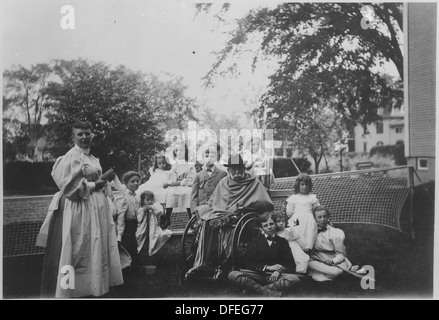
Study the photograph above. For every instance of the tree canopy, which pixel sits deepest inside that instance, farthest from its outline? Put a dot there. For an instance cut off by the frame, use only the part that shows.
(318, 134)
(114, 100)
(26, 89)
(326, 56)
(130, 111)
(169, 102)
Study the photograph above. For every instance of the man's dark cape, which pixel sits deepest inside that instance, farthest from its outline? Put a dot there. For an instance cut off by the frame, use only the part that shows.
(214, 246)
(229, 194)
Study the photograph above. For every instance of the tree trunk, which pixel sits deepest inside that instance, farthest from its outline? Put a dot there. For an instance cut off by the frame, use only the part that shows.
(326, 162)
(316, 164)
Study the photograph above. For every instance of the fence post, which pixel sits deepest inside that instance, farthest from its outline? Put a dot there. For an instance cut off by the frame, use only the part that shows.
(412, 197)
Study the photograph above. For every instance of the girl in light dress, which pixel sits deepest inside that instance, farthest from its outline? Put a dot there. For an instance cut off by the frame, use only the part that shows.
(159, 180)
(299, 210)
(328, 259)
(179, 193)
(295, 241)
(147, 215)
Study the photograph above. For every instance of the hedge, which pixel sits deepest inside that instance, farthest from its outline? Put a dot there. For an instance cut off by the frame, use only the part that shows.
(284, 167)
(28, 177)
(396, 151)
(33, 178)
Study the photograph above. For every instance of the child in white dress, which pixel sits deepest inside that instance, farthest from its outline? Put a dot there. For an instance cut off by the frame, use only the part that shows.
(329, 255)
(147, 215)
(179, 193)
(299, 209)
(160, 179)
(295, 241)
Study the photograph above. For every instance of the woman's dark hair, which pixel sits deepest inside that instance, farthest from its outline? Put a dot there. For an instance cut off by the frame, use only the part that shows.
(84, 125)
(186, 151)
(146, 195)
(157, 158)
(305, 178)
(127, 176)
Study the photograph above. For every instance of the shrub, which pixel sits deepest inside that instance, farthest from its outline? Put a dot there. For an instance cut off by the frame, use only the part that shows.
(351, 159)
(9, 152)
(394, 151)
(284, 167)
(28, 177)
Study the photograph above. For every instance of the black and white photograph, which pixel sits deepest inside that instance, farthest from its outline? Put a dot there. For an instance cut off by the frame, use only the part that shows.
(242, 150)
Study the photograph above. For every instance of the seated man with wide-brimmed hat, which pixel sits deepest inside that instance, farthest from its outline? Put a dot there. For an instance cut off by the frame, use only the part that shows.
(236, 191)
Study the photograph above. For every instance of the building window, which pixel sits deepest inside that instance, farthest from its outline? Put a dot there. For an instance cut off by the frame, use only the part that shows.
(380, 111)
(380, 143)
(365, 130)
(364, 146)
(279, 152)
(423, 164)
(351, 145)
(289, 153)
(379, 126)
(398, 129)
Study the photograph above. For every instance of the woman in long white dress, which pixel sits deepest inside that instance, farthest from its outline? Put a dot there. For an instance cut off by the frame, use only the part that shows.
(78, 230)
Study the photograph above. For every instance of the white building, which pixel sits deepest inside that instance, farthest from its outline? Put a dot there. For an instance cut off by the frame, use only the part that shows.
(387, 131)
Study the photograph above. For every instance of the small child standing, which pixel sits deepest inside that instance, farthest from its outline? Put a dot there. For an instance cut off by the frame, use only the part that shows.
(159, 180)
(295, 241)
(147, 216)
(299, 209)
(179, 193)
(329, 255)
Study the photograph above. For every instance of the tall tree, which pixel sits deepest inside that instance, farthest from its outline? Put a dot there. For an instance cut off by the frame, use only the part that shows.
(325, 52)
(26, 89)
(115, 100)
(173, 108)
(209, 119)
(317, 134)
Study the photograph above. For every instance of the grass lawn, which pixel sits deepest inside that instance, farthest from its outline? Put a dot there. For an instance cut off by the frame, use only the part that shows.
(403, 268)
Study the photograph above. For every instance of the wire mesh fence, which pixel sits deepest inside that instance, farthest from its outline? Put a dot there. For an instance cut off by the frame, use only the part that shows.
(377, 196)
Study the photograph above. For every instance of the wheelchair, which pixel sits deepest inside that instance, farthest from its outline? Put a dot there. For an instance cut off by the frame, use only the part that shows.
(245, 228)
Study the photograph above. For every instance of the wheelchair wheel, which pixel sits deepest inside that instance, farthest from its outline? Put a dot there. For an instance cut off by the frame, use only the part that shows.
(246, 229)
(188, 245)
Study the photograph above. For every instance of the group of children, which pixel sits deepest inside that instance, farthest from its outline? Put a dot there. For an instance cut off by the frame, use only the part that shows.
(172, 185)
(135, 217)
(297, 240)
(317, 247)
(144, 211)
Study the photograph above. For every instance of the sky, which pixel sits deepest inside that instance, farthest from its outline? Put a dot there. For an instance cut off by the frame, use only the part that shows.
(159, 37)
(163, 37)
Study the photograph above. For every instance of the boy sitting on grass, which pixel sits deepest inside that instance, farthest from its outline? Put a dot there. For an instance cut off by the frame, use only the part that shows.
(269, 263)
